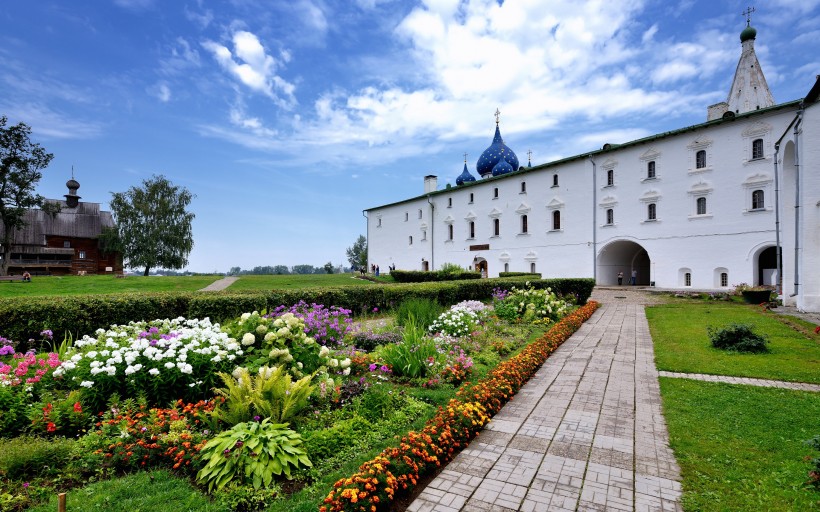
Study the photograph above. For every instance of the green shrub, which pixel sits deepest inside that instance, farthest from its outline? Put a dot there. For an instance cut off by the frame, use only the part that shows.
(738, 338)
(244, 498)
(530, 275)
(330, 441)
(415, 356)
(252, 452)
(814, 473)
(13, 410)
(369, 340)
(269, 394)
(30, 457)
(424, 311)
(419, 276)
(378, 402)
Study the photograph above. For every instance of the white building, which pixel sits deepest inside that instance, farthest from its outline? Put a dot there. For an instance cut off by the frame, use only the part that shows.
(706, 206)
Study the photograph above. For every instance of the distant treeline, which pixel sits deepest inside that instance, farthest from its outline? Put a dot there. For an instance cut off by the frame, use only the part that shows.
(327, 268)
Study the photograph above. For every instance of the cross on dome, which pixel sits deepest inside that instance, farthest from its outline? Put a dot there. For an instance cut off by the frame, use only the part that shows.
(497, 116)
(748, 13)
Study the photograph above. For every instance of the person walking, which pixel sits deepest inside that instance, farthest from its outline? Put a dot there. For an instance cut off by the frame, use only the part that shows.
(634, 277)
(620, 278)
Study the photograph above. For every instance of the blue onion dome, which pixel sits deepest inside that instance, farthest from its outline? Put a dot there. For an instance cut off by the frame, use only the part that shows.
(502, 167)
(497, 152)
(465, 176)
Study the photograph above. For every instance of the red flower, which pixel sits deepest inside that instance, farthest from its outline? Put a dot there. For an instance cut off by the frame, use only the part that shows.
(51, 427)
(78, 408)
(817, 330)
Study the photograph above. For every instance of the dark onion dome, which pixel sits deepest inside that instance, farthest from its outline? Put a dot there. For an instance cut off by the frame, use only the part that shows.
(748, 33)
(72, 184)
(502, 167)
(465, 176)
(497, 152)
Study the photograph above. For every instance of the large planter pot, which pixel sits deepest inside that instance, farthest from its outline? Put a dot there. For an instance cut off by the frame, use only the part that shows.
(756, 296)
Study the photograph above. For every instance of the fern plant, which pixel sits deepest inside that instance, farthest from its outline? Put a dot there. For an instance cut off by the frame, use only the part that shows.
(252, 452)
(271, 393)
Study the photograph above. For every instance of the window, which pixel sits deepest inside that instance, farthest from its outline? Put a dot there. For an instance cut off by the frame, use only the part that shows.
(523, 224)
(554, 180)
(82, 255)
(449, 202)
(424, 235)
(406, 216)
(472, 229)
(496, 227)
(556, 220)
(67, 244)
(701, 206)
(495, 193)
(419, 213)
(411, 240)
(610, 216)
(757, 149)
(724, 279)
(378, 225)
(651, 212)
(471, 198)
(757, 200)
(610, 177)
(523, 187)
(449, 231)
(532, 268)
(687, 279)
(700, 159)
(506, 267)
(650, 170)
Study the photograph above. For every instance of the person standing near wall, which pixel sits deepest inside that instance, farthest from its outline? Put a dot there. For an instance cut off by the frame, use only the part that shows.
(620, 278)
(634, 276)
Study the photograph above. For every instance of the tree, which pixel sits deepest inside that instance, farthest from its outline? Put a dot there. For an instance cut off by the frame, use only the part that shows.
(302, 269)
(357, 255)
(20, 164)
(235, 271)
(329, 268)
(153, 226)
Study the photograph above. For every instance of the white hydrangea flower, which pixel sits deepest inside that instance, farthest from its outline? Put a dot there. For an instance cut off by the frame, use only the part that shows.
(154, 371)
(248, 339)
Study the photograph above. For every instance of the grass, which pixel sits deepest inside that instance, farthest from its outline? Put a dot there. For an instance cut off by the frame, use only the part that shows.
(741, 448)
(682, 344)
(102, 284)
(296, 281)
(139, 492)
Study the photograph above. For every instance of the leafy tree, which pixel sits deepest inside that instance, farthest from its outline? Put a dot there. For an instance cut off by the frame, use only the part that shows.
(20, 164)
(235, 271)
(357, 255)
(153, 225)
(302, 269)
(281, 270)
(329, 268)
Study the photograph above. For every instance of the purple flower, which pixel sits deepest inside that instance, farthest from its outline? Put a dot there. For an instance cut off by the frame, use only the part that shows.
(47, 333)
(25, 485)
(238, 444)
(256, 418)
(153, 343)
(373, 367)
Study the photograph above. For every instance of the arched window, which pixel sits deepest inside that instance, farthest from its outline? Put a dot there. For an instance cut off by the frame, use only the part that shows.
(532, 268)
(472, 229)
(554, 180)
(449, 202)
(411, 240)
(757, 200)
(757, 149)
(724, 279)
(378, 224)
(424, 235)
(610, 177)
(523, 223)
(701, 205)
(450, 231)
(471, 198)
(506, 267)
(610, 216)
(523, 187)
(496, 227)
(556, 220)
(406, 216)
(700, 159)
(687, 279)
(495, 193)
(650, 169)
(651, 212)
(419, 213)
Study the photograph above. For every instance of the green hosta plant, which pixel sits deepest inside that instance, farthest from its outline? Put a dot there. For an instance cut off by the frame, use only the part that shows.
(252, 452)
(271, 393)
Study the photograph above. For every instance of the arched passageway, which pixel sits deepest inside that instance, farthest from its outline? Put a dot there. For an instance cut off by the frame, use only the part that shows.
(623, 256)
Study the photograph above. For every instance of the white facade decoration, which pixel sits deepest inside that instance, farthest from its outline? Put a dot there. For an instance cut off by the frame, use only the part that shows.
(731, 242)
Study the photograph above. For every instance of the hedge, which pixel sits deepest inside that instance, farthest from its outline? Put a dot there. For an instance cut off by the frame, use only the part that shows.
(531, 275)
(24, 318)
(421, 276)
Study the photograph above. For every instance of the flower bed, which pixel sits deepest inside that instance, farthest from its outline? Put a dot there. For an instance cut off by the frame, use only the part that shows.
(398, 469)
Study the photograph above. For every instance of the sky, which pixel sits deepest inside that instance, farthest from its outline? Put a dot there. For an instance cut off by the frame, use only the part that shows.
(287, 119)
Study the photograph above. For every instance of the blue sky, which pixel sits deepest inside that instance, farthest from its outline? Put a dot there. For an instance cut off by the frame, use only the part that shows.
(287, 119)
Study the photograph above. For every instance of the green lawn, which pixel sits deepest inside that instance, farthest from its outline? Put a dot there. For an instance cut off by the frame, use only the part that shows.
(741, 448)
(104, 284)
(682, 343)
(296, 281)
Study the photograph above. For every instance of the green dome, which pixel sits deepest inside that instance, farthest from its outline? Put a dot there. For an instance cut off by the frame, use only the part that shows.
(748, 33)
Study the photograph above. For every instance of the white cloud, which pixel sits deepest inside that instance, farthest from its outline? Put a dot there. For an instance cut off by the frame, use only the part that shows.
(161, 91)
(47, 122)
(134, 4)
(203, 18)
(253, 66)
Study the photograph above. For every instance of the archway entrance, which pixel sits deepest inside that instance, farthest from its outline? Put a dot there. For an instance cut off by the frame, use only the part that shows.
(623, 256)
(767, 267)
(480, 265)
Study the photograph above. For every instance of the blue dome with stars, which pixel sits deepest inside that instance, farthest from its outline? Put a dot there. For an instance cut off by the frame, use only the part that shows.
(493, 155)
(465, 176)
(502, 167)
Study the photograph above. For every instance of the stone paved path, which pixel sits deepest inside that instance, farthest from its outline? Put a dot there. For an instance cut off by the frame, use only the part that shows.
(798, 386)
(220, 284)
(586, 433)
